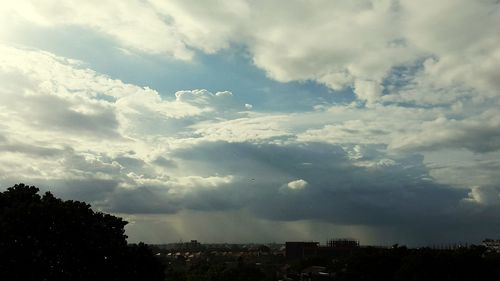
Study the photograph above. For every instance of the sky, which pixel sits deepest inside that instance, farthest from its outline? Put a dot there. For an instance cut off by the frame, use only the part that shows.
(259, 121)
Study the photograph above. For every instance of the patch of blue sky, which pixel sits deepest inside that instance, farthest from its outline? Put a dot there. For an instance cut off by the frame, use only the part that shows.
(230, 69)
(402, 76)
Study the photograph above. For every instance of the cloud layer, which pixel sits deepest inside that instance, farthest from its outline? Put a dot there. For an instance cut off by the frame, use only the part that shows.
(416, 152)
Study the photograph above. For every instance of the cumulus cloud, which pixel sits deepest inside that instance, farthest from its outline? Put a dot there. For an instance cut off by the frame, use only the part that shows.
(464, 168)
(485, 195)
(479, 134)
(133, 24)
(254, 128)
(366, 41)
(82, 124)
(297, 184)
(218, 103)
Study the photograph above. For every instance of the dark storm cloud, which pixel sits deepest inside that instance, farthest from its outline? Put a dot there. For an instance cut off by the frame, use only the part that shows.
(395, 197)
(338, 190)
(416, 214)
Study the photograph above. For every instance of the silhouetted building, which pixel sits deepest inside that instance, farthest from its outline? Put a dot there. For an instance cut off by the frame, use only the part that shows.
(342, 243)
(338, 247)
(300, 250)
(333, 247)
(193, 245)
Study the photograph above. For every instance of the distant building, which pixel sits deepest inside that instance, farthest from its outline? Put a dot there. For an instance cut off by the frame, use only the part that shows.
(300, 250)
(333, 247)
(339, 247)
(342, 243)
(193, 245)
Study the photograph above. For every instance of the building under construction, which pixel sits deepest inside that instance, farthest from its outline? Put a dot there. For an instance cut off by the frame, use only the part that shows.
(333, 247)
(342, 243)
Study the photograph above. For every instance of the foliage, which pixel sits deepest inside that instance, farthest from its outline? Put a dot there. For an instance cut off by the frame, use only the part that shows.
(217, 271)
(401, 264)
(46, 238)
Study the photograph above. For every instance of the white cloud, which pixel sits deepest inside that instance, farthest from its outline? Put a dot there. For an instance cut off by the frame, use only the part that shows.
(369, 91)
(133, 24)
(484, 195)
(353, 44)
(193, 183)
(376, 125)
(208, 26)
(479, 133)
(463, 168)
(216, 102)
(253, 129)
(338, 43)
(80, 124)
(297, 184)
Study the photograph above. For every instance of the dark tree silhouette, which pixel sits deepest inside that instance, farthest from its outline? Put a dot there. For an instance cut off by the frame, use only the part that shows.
(46, 238)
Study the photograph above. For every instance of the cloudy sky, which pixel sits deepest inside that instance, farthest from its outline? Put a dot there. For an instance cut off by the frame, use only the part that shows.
(259, 120)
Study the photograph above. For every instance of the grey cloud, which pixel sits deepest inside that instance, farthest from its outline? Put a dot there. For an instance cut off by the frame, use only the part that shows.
(28, 102)
(400, 200)
(164, 162)
(77, 162)
(143, 200)
(338, 190)
(476, 137)
(53, 112)
(31, 150)
(222, 199)
(479, 134)
(130, 163)
(89, 190)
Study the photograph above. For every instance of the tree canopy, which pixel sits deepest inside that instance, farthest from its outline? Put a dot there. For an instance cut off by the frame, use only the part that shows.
(47, 238)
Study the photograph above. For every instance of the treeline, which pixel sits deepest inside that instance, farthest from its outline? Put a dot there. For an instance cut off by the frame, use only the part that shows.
(402, 264)
(205, 270)
(46, 238)
(475, 263)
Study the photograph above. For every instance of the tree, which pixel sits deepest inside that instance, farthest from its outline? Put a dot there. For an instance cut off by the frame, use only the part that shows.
(46, 238)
